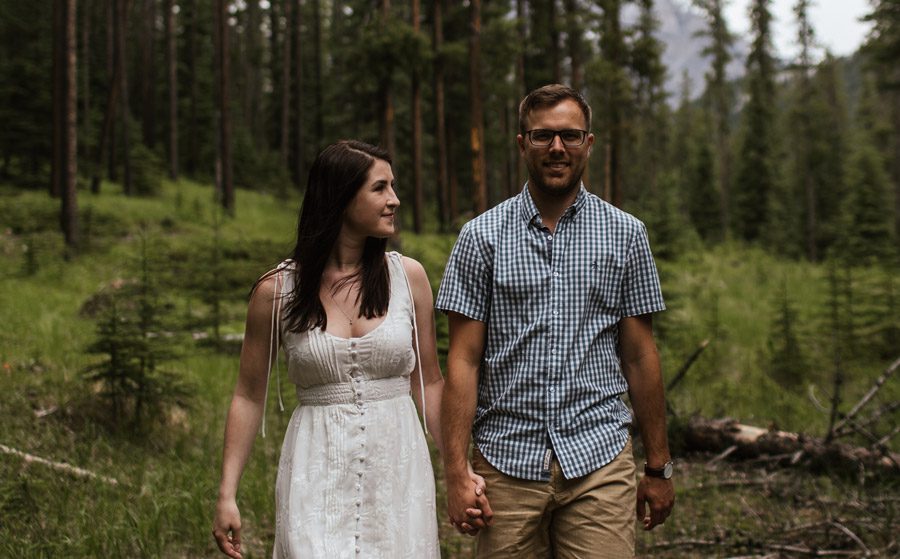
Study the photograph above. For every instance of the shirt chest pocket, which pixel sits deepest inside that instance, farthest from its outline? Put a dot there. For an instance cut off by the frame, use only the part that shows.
(605, 274)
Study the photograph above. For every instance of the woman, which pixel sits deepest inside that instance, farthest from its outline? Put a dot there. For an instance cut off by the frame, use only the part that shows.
(355, 477)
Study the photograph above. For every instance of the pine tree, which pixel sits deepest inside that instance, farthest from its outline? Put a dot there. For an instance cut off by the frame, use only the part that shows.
(610, 79)
(756, 173)
(883, 50)
(651, 123)
(788, 364)
(134, 388)
(720, 97)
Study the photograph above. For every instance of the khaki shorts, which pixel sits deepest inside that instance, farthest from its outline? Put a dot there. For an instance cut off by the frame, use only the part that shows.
(587, 517)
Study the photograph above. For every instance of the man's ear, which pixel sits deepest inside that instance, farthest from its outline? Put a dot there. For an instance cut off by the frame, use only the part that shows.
(520, 139)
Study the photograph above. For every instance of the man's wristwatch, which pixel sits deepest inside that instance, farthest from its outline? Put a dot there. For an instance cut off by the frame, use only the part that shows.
(665, 472)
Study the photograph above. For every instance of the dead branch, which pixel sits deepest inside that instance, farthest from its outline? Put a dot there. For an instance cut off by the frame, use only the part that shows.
(883, 440)
(59, 466)
(687, 543)
(879, 382)
(876, 415)
(687, 365)
(810, 552)
(716, 435)
(849, 533)
(730, 483)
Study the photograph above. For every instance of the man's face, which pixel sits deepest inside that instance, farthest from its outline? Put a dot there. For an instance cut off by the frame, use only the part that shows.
(556, 169)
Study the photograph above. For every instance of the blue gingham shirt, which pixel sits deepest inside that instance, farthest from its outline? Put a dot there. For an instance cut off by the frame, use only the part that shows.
(550, 380)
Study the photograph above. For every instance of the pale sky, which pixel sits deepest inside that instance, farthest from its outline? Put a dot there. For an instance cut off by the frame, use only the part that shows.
(835, 22)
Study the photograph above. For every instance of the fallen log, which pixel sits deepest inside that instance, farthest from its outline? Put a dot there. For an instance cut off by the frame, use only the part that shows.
(750, 442)
(58, 466)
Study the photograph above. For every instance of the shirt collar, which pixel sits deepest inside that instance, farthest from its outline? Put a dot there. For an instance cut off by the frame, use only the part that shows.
(530, 211)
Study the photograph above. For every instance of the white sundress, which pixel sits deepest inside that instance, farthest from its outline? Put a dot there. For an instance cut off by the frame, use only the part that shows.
(355, 477)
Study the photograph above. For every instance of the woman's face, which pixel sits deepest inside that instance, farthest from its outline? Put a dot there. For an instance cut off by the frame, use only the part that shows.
(371, 212)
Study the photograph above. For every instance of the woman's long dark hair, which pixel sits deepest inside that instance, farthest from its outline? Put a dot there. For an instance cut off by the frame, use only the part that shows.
(334, 179)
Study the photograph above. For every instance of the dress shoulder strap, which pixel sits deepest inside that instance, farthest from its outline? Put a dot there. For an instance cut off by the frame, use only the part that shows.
(275, 340)
(412, 305)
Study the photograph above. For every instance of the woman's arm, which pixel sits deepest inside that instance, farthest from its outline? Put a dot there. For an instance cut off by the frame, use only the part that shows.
(434, 384)
(428, 359)
(244, 414)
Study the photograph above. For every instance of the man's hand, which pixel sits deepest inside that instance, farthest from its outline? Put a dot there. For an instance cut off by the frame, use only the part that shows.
(655, 499)
(468, 505)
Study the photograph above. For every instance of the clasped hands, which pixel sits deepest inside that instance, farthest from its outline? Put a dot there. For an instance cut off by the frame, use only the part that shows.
(467, 503)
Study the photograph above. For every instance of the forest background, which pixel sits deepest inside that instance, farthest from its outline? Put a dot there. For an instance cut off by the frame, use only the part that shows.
(152, 159)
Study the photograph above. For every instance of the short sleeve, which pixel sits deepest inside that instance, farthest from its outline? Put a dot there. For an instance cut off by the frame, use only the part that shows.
(466, 285)
(641, 292)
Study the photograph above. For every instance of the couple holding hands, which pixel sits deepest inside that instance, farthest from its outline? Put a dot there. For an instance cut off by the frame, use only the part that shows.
(550, 297)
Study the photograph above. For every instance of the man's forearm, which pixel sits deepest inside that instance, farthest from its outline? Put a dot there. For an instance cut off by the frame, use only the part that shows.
(645, 389)
(457, 414)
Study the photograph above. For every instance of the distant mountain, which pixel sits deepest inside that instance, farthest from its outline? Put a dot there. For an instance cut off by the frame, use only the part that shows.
(679, 28)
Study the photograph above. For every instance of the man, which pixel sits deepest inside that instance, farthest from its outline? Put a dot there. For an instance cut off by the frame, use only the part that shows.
(550, 297)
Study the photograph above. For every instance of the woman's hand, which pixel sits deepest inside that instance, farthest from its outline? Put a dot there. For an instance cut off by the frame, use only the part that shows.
(478, 518)
(227, 528)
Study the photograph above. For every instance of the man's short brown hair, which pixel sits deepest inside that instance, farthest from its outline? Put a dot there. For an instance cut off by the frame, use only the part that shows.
(550, 96)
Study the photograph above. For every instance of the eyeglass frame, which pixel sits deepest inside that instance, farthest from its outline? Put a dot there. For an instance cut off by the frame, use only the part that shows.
(557, 133)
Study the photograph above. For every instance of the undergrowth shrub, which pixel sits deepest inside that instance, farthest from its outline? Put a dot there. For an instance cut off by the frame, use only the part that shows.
(134, 338)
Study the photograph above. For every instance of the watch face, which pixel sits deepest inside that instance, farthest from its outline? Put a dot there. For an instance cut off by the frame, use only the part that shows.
(668, 470)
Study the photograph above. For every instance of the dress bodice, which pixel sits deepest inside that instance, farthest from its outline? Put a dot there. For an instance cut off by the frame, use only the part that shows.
(317, 360)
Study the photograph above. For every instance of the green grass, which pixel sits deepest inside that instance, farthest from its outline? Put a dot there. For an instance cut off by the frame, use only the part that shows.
(168, 479)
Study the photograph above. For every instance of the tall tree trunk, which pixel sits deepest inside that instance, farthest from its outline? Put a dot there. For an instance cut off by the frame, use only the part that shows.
(192, 24)
(57, 168)
(574, 32)
(252, 68)
(894, 97)
(66, 156)
(554, 43)
(113, 77)
(416, 102)
(298, 100)
(440, 130)
(172, 73)
(85, 78)
(226, 186)
(386, 114)
(124, 111)
(479, 174)
(452, 175)
(286, 85)
(521, 89)
(147, 75)
(510, 154)
(317, 72)
(274, 133)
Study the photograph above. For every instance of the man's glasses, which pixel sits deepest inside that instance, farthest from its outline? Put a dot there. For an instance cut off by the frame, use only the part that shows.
(570, 138)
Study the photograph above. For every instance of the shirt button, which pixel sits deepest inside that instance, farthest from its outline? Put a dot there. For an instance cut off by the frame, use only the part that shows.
(555, 313)
(556, 274)
(552, 389)
(553, 351)
(358, 551)
(352, 344)
(549, 237)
